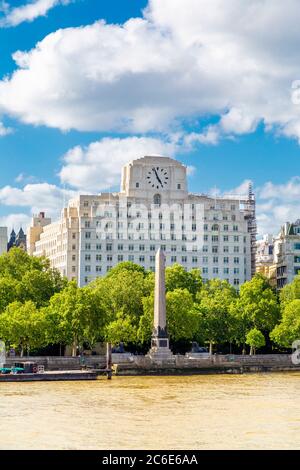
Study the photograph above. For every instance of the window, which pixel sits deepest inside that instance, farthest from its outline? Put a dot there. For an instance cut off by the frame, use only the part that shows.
(86, 204)
(73, 257)
(215, 259)
(194, 259)
(142, 247)
(205, 259)
(215, 227)
(98, 246)
(87, 246)
(205, 249)
(215, 238)
(87, 257)
(297, 246)
(236, 260)
(226, 249)
(152, 247)
(205, 238)
(109, 257)
(236, 271)
(130, 247)
(98, 257)
(152, 258)
(226, 228)
(88, 269)
(142, 259)
(184, 259)
(236, 282)
(130, 257)
(214, 249)
(225, 238)
(87, 224)
(173, 248)
(236, 238)
(205, 270)
(120, 258)
(178, 186)
(157, 199)
(120, 247)
(173, 259)
(74, 236)
(226, 260)
(108, 247)
(137, 185)
(226, 270)
(87, 234)
(98, 269)
(215, 270)
(235, 228)
(73, 269)
(236, 249)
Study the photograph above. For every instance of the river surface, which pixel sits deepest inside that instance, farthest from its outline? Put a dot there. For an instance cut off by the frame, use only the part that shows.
(255, 411)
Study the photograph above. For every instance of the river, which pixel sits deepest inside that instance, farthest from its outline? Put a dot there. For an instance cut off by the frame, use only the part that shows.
(255, 411)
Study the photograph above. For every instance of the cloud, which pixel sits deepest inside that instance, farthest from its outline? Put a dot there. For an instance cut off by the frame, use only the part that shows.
(36, 197)
(277, 204)
(5, 130)
(181, 60)
(98, 166)
(28, 12)
(15, 221)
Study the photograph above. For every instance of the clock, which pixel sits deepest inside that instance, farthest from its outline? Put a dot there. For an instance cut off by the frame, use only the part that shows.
(157, 177)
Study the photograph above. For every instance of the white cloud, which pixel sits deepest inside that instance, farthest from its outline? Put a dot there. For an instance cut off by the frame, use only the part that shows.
(36, 197)
(15, 221)
(277, 204)
(98, 166)
(5, 130)
(28, 12)
(183, 59)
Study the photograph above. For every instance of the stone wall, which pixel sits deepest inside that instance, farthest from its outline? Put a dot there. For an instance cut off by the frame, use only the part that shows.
(61, 363)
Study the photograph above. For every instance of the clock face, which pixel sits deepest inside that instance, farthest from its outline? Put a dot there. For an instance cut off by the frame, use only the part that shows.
(157, 177)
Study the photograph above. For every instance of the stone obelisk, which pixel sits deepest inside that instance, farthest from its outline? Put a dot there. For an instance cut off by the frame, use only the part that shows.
(160, 340)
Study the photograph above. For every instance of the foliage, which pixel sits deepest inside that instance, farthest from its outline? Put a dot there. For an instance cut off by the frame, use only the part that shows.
(288, 330)
(23, 326)
(214, 303)
(256, 307)
(255, 339)
(121, 330)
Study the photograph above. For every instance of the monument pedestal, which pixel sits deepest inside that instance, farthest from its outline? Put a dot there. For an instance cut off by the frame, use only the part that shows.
(160, 351)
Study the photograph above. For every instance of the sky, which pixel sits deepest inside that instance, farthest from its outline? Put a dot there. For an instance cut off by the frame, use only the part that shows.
(88, 85)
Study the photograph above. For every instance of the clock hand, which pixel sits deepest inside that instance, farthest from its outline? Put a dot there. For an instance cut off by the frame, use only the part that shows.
(158, 178)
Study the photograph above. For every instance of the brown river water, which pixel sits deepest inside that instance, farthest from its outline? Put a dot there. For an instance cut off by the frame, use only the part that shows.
(255, 411)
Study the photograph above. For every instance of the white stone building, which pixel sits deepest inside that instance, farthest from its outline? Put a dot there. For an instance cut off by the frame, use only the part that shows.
(153, 209)
(287, 253)
(3, 240)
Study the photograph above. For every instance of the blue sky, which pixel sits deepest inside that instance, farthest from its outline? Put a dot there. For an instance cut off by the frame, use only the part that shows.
(177, 79)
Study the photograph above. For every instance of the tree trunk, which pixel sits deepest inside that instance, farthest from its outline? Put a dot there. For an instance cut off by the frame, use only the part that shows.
(244, 349)
(60, 349)
(210, 348)
(21, 350)
(251, 350)
(74, 348)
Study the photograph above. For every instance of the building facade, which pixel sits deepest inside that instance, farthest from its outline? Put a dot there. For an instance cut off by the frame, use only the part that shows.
(287, 253)
(153, 209)
(3, 240)
(265, 258)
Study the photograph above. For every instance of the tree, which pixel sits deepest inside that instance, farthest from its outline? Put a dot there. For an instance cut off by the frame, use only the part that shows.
(288, 330)
(290, 292)
(255, 339)
(77, 315)
(121, 330)
(214, 303)
(256, 307)
(23, 326)
(24, 277)
(122, 291)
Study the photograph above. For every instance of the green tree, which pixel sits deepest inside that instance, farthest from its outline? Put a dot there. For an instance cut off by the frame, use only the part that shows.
(121, 330)
(288, 330)
(23, 326)
(214, 303)
(290, 292)
(178, 278)
(256, 307)
(76, 317)
(255, 339)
